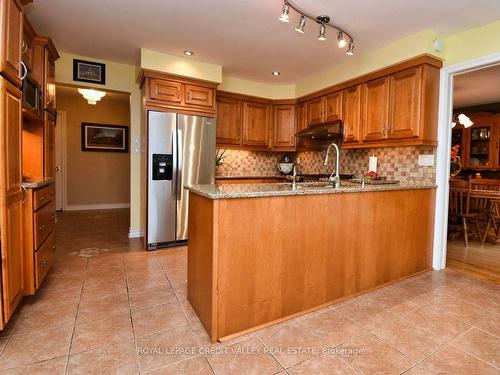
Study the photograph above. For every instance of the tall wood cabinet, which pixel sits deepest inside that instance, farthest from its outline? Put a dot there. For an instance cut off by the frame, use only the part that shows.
(11, 27)
(11, 196)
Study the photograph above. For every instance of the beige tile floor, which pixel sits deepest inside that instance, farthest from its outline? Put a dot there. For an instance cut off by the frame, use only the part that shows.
(124, 311)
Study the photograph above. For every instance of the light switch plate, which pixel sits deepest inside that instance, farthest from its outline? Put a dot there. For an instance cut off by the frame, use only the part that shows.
(426, 160)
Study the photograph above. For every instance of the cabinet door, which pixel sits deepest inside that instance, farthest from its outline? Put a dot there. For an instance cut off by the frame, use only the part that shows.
(229, 121)
(333, 106)
(301, 122)
(199, 96)
(49, 167)
(11, 31)
(315, 111)
(375, 114)
(351, 113)
(11, 196)
(50, 83)
(166, 91)
(284, 126)
(404, 118)
(256, 124)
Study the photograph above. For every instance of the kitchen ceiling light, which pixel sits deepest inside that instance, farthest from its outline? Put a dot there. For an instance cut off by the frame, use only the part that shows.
(276, 73)
(322, 32)
(188, 53)
(343, 37)
(302, 24)
(284, 12)
(465, 120)
(92, 96)
(350, 49)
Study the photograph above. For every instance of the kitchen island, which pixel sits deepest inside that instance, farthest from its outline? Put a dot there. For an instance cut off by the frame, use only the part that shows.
(263, 253)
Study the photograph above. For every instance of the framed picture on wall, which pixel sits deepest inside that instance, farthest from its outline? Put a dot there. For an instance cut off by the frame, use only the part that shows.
(103, 137)
(89, 71)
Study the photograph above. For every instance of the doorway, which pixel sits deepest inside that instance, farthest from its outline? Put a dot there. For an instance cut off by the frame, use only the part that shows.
(469, 160)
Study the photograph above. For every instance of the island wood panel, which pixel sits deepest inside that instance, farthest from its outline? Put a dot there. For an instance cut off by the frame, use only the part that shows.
(202, 261)
(302, 257)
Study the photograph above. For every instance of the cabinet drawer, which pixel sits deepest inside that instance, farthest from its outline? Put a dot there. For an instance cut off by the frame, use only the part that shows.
(43, 196)
(199, 96)
(166, 91)
(43, 223)
(44, 257)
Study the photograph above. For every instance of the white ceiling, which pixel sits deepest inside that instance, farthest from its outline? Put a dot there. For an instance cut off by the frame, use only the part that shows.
(478, 87)
(244, 36)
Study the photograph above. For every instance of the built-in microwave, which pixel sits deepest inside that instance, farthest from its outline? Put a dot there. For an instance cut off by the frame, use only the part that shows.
(32, 96)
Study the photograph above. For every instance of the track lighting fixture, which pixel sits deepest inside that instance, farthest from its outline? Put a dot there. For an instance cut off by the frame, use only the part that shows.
(343, 37)
(302, 24)
(284, 12)
(341, 40)
(322, 32)
(350, 49)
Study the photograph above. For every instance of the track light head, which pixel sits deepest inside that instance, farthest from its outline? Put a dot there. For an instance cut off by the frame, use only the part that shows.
(341, 39)
(350, 49)
(284, 13)
(302, 24)
(322, 32)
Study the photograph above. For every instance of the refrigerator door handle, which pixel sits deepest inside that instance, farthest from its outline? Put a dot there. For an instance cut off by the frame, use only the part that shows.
(174, 161)
(179, 164)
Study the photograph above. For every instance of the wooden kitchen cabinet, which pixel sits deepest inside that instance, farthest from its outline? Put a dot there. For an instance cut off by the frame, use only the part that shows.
(375, 113)
(49, 166)
(256, 124)
(405, 102)
(11, 196)
(39, 230)
(283, 127)
(49, 85)
(11, 31)
(351, 113)
(301, 123)
(181, 95)
(325, 108)
(27, 44)
(229, 121)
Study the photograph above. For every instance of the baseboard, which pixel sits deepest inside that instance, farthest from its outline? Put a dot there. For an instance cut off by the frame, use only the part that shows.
(103, 206)
(135, 233)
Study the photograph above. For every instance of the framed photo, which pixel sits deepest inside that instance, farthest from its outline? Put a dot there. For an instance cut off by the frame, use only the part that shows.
(103, 137)
(88, 71)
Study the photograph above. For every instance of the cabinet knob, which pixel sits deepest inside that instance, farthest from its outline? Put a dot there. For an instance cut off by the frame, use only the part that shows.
(42, 227)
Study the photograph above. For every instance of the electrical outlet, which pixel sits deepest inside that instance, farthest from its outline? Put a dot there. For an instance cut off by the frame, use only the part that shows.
(426, 160)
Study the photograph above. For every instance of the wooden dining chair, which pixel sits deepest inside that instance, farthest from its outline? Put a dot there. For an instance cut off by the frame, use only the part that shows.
(487, 207)
(460, 207)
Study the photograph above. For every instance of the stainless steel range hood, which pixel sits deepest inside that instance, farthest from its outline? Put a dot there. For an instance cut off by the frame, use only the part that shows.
(327, 131)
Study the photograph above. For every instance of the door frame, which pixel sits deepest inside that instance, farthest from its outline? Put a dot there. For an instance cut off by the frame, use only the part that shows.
(444, 150)
(62, 116)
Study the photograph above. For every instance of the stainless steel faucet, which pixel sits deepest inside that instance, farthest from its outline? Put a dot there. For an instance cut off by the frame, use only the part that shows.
(294, 178)
(333, 180)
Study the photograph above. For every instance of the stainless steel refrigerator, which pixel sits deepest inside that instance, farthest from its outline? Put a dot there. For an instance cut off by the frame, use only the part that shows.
(181, 151)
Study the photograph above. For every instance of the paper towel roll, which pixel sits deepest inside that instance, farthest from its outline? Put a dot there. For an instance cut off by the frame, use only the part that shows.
(372, 164)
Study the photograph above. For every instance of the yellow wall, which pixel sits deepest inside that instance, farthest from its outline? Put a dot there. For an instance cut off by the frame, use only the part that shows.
(473, 43)
(94, 178)
(263, 90)
(181, 66)
(119, 77)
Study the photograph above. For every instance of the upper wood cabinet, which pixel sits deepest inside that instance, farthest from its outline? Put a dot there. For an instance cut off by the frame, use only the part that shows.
(27, 47)
(283, 126)
(405, 102)
(229, 121)
(301, 123)
(181, 95)
(11, 196)
(199, 96)
(11, 31)
(375, 113)
(351, 113)
(49, 86)
(325, 108)
(256, 124)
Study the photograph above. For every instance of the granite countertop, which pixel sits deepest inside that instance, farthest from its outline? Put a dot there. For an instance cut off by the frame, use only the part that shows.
(273, 190)
(281, 177)
(37, 183)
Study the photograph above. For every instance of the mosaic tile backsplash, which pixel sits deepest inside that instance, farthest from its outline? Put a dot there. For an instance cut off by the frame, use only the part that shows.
(398, 163)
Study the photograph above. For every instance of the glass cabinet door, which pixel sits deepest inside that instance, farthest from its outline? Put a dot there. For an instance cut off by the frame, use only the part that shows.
(482, 153)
